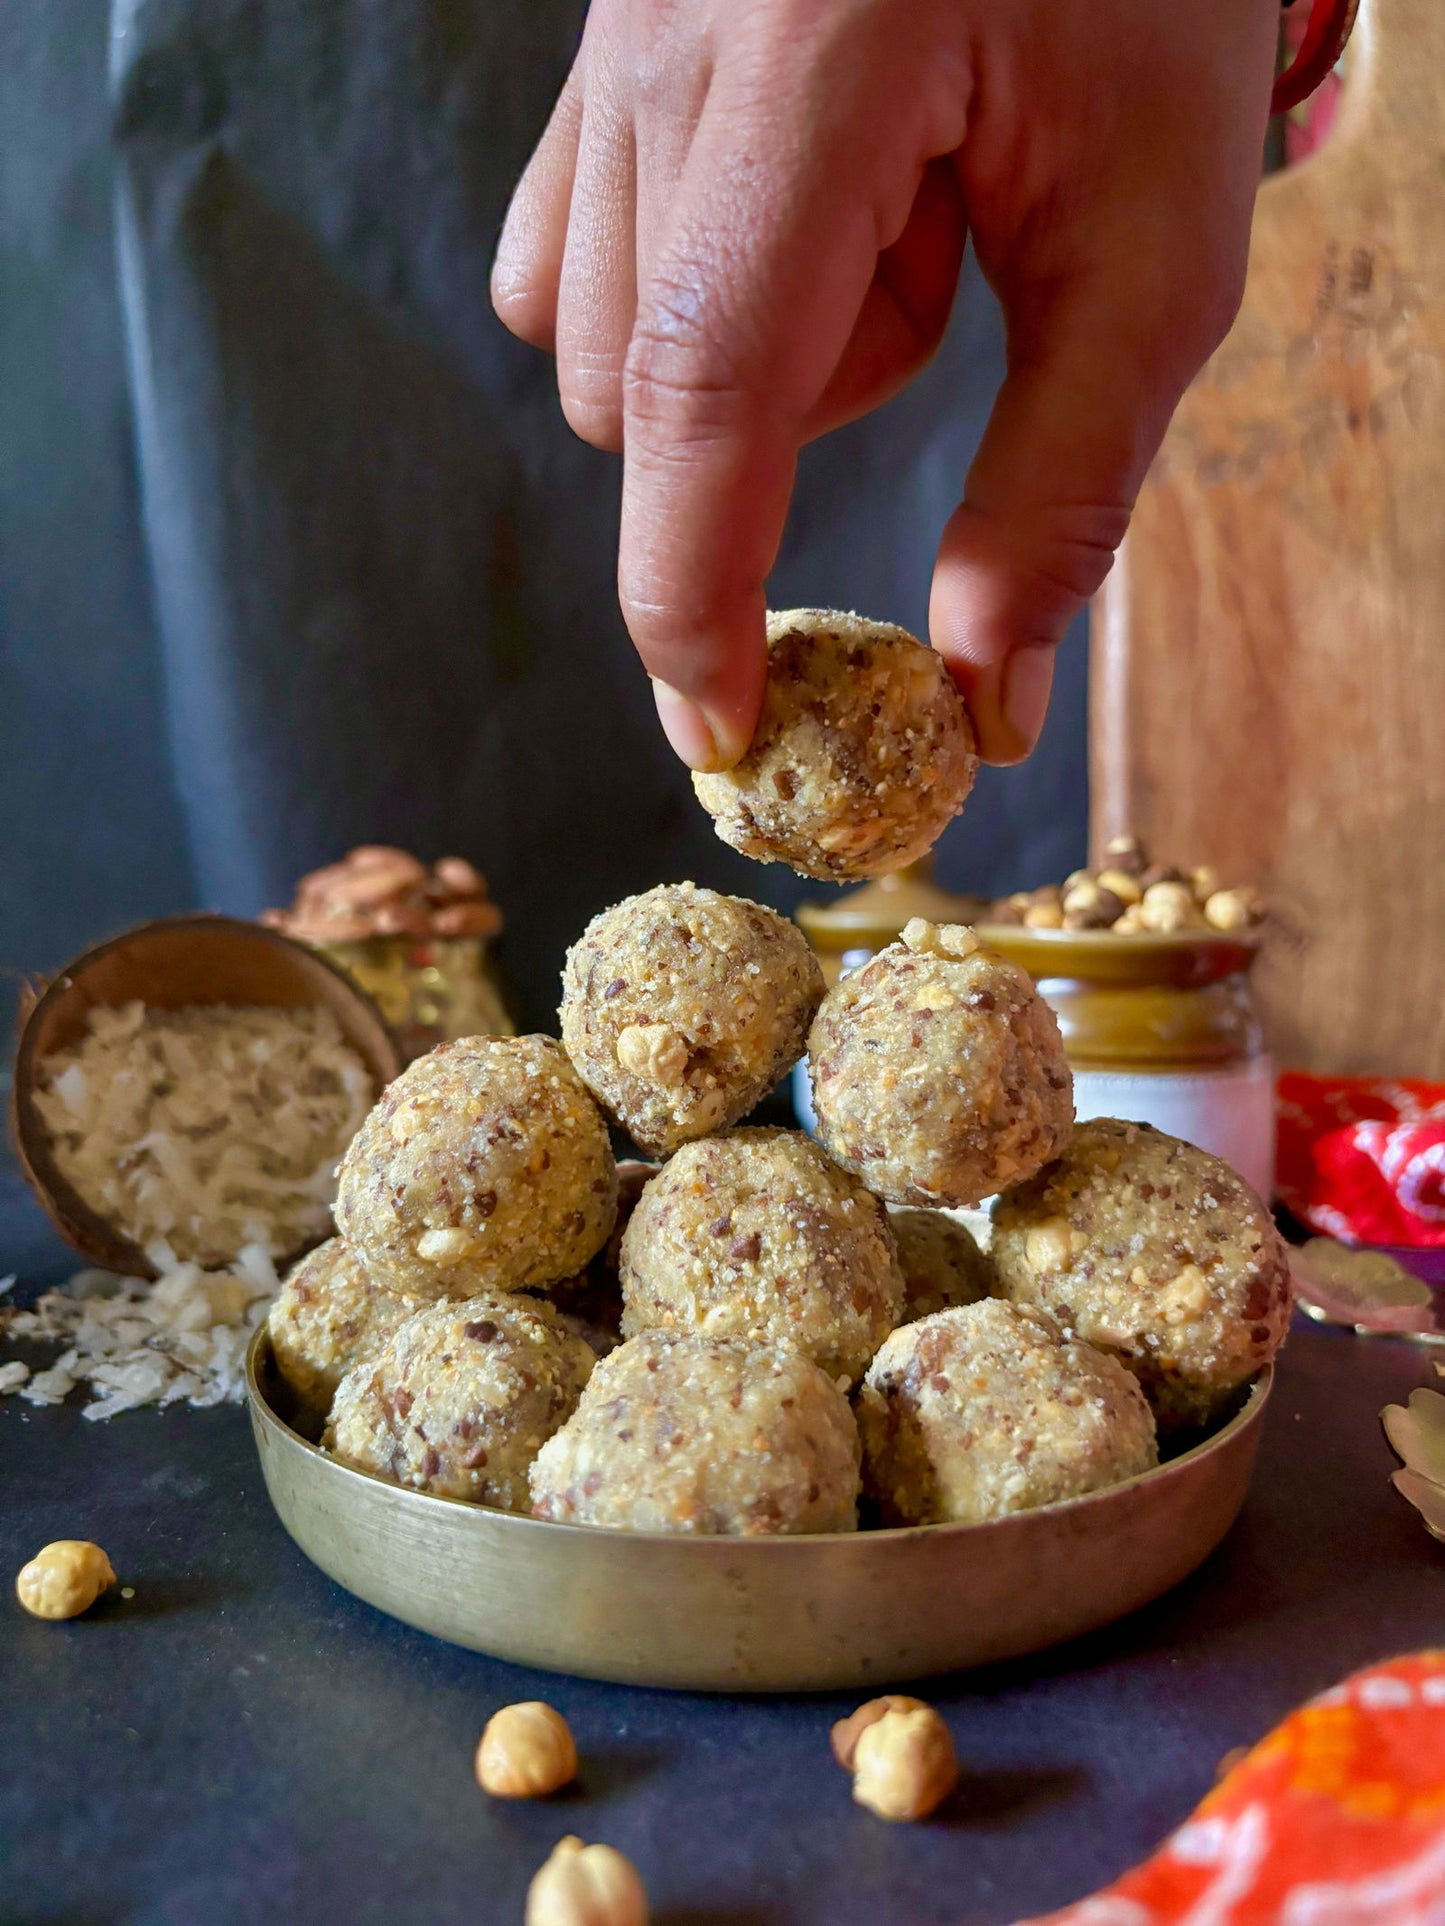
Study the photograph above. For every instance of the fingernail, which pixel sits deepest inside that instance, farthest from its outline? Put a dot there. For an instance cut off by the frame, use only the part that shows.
(1028, 678)
(686, 727)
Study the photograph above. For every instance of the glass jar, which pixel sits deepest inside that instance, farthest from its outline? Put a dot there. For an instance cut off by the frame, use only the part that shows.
(1162, 1030)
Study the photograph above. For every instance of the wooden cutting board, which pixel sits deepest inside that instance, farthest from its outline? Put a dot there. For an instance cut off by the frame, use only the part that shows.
(1269, 654)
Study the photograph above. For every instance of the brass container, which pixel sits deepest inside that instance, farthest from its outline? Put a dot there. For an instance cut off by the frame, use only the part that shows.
(169, 965)
(858, 1611)
(429, 989)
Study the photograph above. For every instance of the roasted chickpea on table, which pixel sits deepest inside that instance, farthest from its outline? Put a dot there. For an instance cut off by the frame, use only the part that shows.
(586, 1886)
(900, 1754)
(526, 1752)
(64, 1579)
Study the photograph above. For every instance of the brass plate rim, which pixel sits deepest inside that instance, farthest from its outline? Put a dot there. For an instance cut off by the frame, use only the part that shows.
(1250, 1414)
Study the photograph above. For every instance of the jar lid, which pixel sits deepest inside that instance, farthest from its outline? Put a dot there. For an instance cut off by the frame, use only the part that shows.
(874, 916)
(1182, 959)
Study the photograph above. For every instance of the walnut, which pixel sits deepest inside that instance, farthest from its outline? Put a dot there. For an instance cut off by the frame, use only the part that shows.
(457, 878)
(469, 918)
(380, 891)
(363, 886)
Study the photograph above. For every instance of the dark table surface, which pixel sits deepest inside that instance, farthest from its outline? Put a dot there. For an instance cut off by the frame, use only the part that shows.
(242, 1741)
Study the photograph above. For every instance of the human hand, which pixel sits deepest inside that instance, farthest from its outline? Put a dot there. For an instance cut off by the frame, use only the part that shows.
(744, 226)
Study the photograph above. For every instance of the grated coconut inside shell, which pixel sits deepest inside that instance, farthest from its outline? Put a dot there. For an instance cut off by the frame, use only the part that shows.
(208, 1128)
(210, 1136)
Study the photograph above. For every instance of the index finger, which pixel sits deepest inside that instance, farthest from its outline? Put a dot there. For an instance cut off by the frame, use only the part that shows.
(757, 282)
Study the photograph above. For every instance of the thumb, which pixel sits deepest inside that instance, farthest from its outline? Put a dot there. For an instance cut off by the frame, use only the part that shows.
(1088, 394)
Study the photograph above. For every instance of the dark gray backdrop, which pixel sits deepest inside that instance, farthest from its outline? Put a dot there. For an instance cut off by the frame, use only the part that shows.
(295, 547)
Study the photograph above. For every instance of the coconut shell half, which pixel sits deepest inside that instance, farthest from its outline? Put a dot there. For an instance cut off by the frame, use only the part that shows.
(172, 965)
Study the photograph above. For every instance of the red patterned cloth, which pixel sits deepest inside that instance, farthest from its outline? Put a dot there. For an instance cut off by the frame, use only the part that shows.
(1363, 1158)
(1336, 1819)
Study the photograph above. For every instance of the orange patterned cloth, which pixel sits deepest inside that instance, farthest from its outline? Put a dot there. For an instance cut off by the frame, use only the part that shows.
(1336, 1819)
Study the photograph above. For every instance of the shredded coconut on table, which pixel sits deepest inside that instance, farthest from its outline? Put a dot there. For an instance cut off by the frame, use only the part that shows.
(210, 1128)
(134, 1343)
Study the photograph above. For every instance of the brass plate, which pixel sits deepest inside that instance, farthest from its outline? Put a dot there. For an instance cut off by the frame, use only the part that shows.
(858, 1611)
